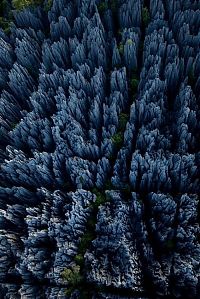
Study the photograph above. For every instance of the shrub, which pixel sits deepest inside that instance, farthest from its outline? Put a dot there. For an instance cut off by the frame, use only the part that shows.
(95, 190)
(79, 259)
(85, 241)
(3, 7)
(5, 25)
(117, 140)
(145, 16)
(134, 84)
(100, 197)
(123, 118)
(91, 223)
(113, 6)
(108, 185)
(121, 48)
(21, 4)
(48, 5)
(129, 41)
(72, 276)
(102, 7)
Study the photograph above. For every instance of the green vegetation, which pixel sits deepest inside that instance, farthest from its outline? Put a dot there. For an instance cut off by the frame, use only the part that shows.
(3, 7)
(102, 7)
(13, 125)
(123, 118)
(118, 137)
(79, 259)
(91, 223)
(121, 48)
(85, 241)
(21, 4)
(117, 140)
(113, 6)
(108, 185)
(48, 5)
(100, 197)
(73, 277)
(134, 84)
(145, 16)
(5, 25)
(4, 11)
(129, 41)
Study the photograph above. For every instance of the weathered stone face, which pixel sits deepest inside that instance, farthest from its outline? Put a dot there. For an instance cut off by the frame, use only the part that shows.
(99, 149)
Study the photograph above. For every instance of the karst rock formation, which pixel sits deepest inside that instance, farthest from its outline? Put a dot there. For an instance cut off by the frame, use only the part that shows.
(100, 150)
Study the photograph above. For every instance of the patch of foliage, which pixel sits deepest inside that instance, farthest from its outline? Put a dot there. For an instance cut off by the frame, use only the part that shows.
(47, 5)
(79, 259)
(123, 119)
(121, 48)
(113, 6)
(102, 7)
(108, 185)
(73, 278)
(85, 241)
(100, 197)
(3, 7)
(21, 4)
(117, 140)
(13, 125)
(145, 16)
(72, 275)
(5, 16)
(129, 41)
(134, 83)
(5, 25)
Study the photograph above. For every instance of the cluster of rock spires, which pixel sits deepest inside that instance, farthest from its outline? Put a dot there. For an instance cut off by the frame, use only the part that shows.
(67, 80)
